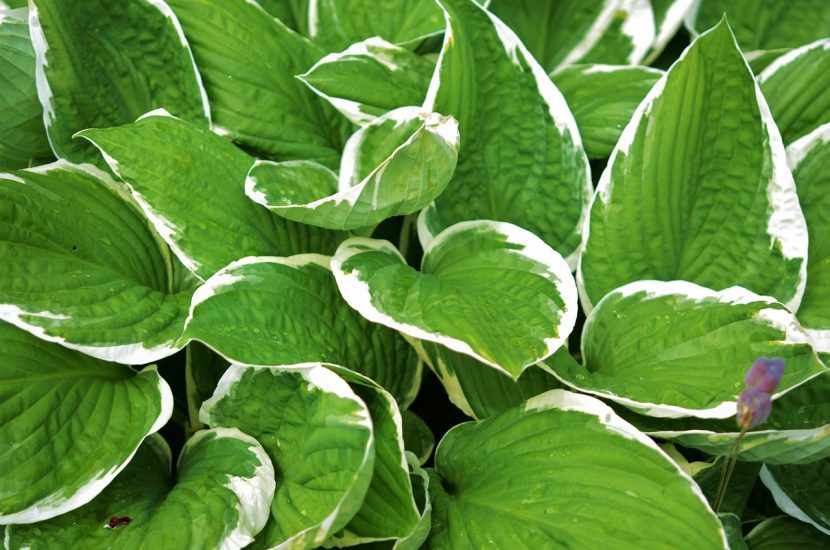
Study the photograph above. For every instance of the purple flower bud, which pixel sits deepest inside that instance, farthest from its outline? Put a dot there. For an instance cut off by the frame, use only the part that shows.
(753, 408)
(765, 374)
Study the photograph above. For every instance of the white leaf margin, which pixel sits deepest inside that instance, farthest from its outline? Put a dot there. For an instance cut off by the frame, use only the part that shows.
(783, 500)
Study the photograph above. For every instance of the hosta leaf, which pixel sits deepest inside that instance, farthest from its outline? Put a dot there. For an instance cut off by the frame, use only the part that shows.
(785, 532)
(68, 424)
(521, 159)
(563, 471)
(808, 158)
(698, 189)
(489, 290)
(766, 24)
(248, 61)
(318, 434)
(562, 33)
(417, 436)
(334, 24)
(389, 510)
(203, 370)
(795, 86)
(369, 78)
(481, 392)
(281, 311)
(422, 149)
(602, 99)
(800, 490)
(673, 349)
(668, 17)
(83, 268)
(190, 184)
(218, 499)
(294, 13)
(22, 135)
(797, 431)
(14, 3)
(106, 62)
(761, 59)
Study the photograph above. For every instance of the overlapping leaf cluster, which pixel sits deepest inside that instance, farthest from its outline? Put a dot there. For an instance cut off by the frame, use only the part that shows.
(210, 179)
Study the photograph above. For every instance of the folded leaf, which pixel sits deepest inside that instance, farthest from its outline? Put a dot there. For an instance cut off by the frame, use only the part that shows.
(698, 189)
(82, 267)
(603, 98)
(294, 13)
(808, 158)
(417, 436)
(106, 62)
(668, 16)
(248, 61)
(795, 85)
(337, 23)
(797, 431)
(281, 311)
(218, 499)
(565, 32)
(563, 471)
(318, 434)
(800, 490)
(370, 78)
(389, 511)
(486, 289)
(394, 166)
(521, 159)
(191, 185)
(68, 424)
(203, 370)
(782, 532)
(674, 349)
(22, 135)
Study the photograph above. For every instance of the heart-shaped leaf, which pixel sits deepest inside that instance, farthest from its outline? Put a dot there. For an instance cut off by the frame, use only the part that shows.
(563, 471)
(521, 159)
(218, 498)
(370, 78)
(68, 424)
(281, 311)
(486, 289)
(104, 63)
(696, 189)
(249, 77)
(674, 349)
(318, 434)
(393, 166)
(82, 267)
(191, 185)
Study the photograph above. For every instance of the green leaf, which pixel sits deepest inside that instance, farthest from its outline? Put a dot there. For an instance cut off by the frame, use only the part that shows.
(668, 17)
(389, 510)
(103, 63)
(808, 158)
(797, 431)
(190, 184)
(248, 61)
(82, 267)
(489, 290)
(417, 436)
(422, 150)
(293, 13)
(602, 99)
(738, 490)
(698, 189)
(22, 135)
(318, 434)
(734, 533)
(795, 86)
(521, 158)
(674, 349)
(765, 24)
(68, 424)
(281, 311)
(562, 33)
(337, 23)
(218, 499)
(785, 532)
(800, 490)
(369, 78)
(761, 59)
(481, 392)
(203, 370)
(563, 471)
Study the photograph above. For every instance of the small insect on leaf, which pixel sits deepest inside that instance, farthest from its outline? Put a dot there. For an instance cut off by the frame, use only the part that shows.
(115, 522)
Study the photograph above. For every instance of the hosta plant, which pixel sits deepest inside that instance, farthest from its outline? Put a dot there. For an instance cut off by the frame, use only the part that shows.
(414, 274)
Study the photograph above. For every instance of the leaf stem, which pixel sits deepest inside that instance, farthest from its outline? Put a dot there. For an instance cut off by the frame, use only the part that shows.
(726, 472)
